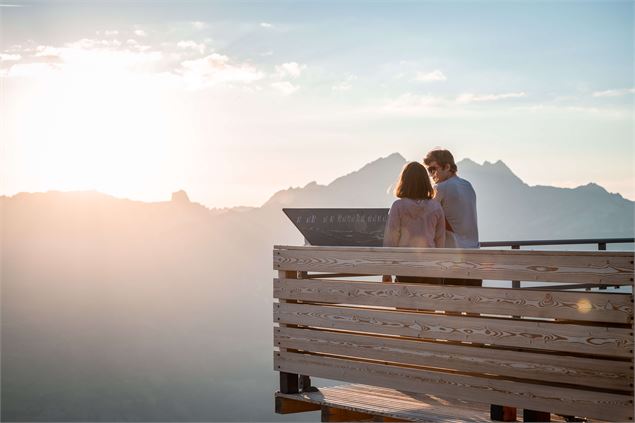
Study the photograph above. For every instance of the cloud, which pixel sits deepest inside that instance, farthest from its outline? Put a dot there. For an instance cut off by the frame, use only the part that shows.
(9, 57)
(31, 70)
(189, 44)
(266, 25)
(198, 25)
(594, 112)
(11, 5)
(344, 85)
(217, 69)
(285, 87)
(290, 69)
(86, 57)
(134, 44)
(476, 98)
(140, 33)
(47, 51)
(435, 75)
(614, 93)
(83, 44)
(96, 58)
(413, 104)
(111, 32)
(267, 53)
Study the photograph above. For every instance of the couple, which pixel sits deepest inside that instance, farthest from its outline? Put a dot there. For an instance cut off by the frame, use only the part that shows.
(427, 216)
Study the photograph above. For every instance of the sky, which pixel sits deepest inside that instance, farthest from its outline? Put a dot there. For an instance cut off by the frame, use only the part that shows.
(235, 100)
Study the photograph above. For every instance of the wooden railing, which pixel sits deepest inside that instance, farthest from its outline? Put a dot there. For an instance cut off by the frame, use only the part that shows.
(600, 242)
(565, 352)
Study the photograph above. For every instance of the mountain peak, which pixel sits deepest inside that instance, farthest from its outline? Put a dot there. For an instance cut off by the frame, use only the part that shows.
(498, 165)
(388, 161)
(391, 164)
(180, 197)
(593, 188)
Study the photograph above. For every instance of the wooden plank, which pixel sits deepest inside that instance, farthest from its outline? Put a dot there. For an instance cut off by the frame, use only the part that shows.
(602, 267)
(560, 400)
(553, 336)
(583, 306)
(390, 400)
(595, 373)
(291, 406)
(395, 405)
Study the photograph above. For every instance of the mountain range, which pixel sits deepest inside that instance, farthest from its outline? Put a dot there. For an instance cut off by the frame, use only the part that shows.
(508, 208)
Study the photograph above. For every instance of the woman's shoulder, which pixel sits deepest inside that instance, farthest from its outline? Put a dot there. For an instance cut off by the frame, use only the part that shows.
(430, 203)
(399, 202)
(434, 204)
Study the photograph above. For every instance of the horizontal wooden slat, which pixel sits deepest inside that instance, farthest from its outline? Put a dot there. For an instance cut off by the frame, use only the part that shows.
(393, 404)
(594, 373)
(584, 306)
(491, 391)
(504, 332)
(602, 267)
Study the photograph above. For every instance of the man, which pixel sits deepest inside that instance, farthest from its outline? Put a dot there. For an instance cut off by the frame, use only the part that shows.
(458, 199)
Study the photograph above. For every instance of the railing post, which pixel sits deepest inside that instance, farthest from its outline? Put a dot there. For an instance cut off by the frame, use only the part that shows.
(499, 412)
(602, 247)
(516, 284)
(289, 382)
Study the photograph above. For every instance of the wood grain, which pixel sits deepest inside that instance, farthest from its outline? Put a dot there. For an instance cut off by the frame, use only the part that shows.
(583, 306)
(560, 400)
(393, 404)
(616, 342)
(589, 372)
(601, 267)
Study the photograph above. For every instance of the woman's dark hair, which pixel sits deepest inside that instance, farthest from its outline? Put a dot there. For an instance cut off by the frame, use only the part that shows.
(414, 183)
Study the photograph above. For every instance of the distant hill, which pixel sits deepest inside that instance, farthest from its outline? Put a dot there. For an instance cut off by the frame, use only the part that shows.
(113, 309)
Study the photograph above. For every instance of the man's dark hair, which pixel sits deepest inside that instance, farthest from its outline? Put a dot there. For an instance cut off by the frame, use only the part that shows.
(442, 157)
(414, 183)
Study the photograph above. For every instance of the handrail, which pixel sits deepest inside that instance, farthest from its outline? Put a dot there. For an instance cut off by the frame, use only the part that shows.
(515, 245)
(601, 242)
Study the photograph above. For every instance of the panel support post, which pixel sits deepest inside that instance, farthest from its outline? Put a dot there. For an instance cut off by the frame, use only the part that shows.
(536, 416)
(288, 383)
(502, 413)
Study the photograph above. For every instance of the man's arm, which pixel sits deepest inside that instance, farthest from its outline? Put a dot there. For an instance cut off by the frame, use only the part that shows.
(439, 233)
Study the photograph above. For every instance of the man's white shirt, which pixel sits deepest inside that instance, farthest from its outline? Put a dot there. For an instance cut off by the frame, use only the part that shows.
(458, 199)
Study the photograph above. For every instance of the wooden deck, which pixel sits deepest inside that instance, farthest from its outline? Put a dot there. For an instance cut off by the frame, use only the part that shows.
(391, 403)
(356, 402)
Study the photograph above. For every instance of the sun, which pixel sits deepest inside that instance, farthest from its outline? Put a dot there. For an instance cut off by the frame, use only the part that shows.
(91, 131)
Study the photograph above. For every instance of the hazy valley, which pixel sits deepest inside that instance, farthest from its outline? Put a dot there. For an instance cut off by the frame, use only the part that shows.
(115, 309)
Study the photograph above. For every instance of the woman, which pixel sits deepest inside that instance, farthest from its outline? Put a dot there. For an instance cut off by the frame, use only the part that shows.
(415, 219)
